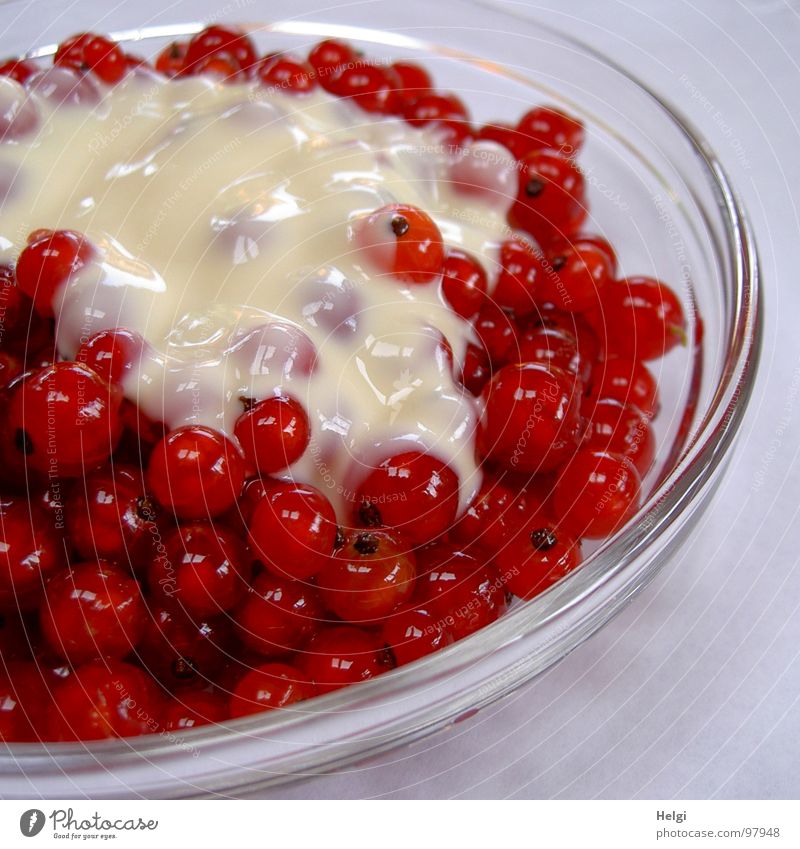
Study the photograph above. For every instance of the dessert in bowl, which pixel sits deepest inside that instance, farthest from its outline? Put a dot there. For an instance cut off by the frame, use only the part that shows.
(329, 373)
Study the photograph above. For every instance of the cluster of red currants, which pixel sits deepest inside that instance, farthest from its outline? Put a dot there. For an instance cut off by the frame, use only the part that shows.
(153, 580)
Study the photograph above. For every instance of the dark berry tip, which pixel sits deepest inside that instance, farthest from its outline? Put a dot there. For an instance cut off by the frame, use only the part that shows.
(22, 442)
(559, 262)
(543, 539)
(400, 225)
(370, 515)
(366, 543)
(534, 187)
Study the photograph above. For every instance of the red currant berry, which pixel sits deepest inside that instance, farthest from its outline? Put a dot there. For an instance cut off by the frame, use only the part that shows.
(413, 492)
(171, 59)
(477, 371)
(560, 245)
(104, 699)
(92, 610)
(47, 262)
(64, 419)
(25, 701)
(576, 278)
(286, 74)
(204, 569)
(412, 633)
(30, 553)
(550, 198)
(531, 421)
(330, 59)
(402, 241)
(180, 651)
(456, 589)
(536, 558)
(574, 324)
(517, 281)
(430, 108)
(293, 531)
(547, 127)
(269, 687)
(253, 491)
(340, 656)
(273, 433)
(642, 318)
(621, 429)
(627, 381)
(18, 69)
(497, 333)
(596, 493)
(412, 81)
(109, 515)
(233, 48)
(89, 52)
(193, 709)
(368, 577)
(463, 282)
(369, 87)
(111, 353)
(10, 368)
(278, 616)
(553, 346)
(505, 135)
(196, 471)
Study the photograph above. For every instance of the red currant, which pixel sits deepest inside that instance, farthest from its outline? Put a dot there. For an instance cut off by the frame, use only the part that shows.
(369, 87)
(497, 333)
(193, 709)
(463, 282)
(269, 687)
(64, 419)
(293, 531)
(621, 429)
(547, 127)
(278, 616)
(342, 655)
(47, 262)
(330, 59)
(111, 353)
(286, 74)
(171, 59)
(402, 241)
(412, 633)
(273, 433)
(553, 346)
(505, 135)
(561, 245)
(204, 569)
(413, 81)
(517, 281)
(414, 492)
(627, 381)
(93, 610)
(476, 371)
(89, 52)
(196, 471)
(596, 493)
(18, 69)
(24, 702)
(531, 421)
(230, 46)
(368, 577)
(576, 278)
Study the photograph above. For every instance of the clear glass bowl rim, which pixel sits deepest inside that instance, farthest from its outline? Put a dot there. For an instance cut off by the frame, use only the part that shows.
(686, 483)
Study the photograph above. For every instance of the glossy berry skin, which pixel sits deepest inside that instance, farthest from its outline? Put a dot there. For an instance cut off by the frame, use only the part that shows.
(434, 108)
(547, 127)
(25, 702)
(517, 283)
(368, 577)
(464, 283)
(204, 569)
(196, 472)
(562, 246)
(627, 381)
(531, 421)
(293, 531)
(642, 318)
(47, 262)
(89, 52)
(414, 493)
(536, 558)
(273, 433)
(269, 687)
(553, 346)
(231, 47)
(576, 278)
(505, 135)
(621, 429)
(18, 69)
(497, 333)
(329, 59)
(92, 610)
(412, 633)
(596, 494)
(31, 552)
(104, 699)
(278, 616)
(171, 59)
(109, 516)
(193, 709)
(576, 325)
(550, 198)
(182, 651)
(286, 74)
(458, 589)
(64, 419)
(369, 87)
(401, 241)
(476, 371)
(342, 655)
(412, 81)
(112, 354)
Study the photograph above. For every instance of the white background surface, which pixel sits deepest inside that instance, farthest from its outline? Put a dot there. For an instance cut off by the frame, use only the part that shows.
(694, 691)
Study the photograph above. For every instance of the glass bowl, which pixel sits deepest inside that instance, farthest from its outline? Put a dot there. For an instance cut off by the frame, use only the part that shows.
(659, 193)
